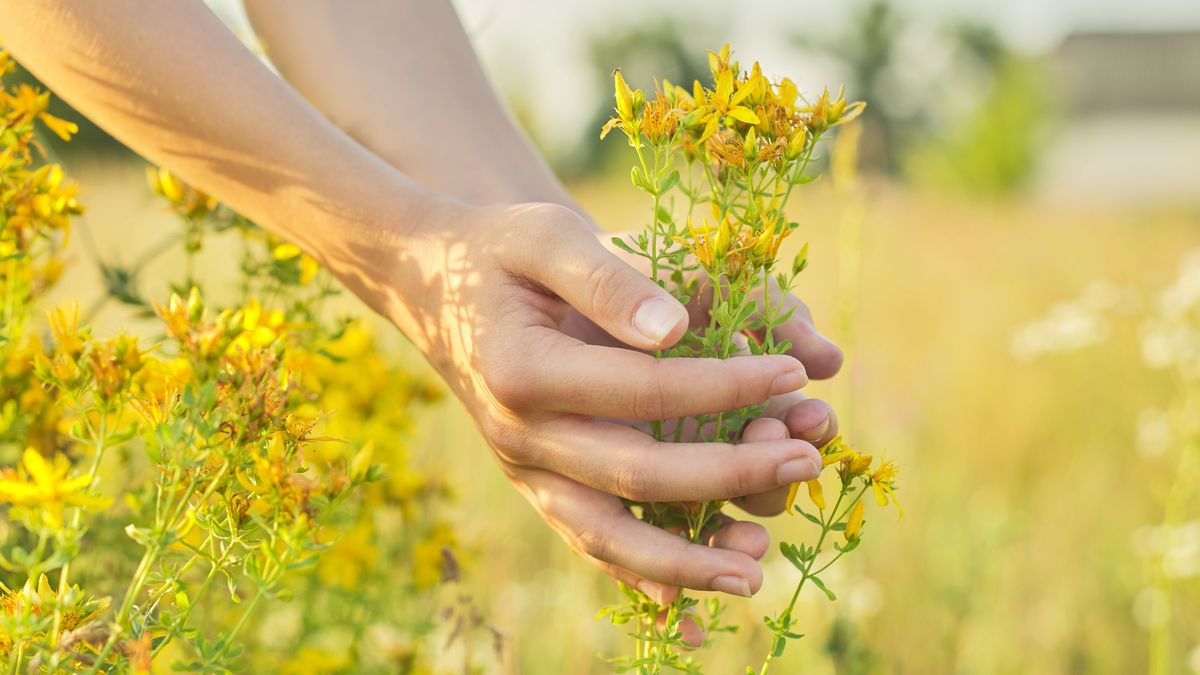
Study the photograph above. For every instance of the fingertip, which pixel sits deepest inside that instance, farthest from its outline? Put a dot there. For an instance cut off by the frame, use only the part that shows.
(662, 321)
(793, 377)
(824, 359)
(765, 429)
(744, 536)
(811, 420)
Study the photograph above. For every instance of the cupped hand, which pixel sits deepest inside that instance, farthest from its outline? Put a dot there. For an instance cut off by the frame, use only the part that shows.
(485, 294)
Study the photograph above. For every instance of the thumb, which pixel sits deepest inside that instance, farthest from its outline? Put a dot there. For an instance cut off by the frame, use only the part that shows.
(569, 261)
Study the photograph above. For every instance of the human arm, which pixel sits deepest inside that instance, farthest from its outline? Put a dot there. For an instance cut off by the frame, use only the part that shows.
(481, 291)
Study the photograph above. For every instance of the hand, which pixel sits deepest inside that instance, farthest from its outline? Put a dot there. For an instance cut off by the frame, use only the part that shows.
(484, 294)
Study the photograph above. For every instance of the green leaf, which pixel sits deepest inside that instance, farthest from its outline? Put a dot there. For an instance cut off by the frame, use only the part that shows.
(811, 518)
(821, 585)
(640, 181)
(663, 215)
(621, 244)
(669, 183)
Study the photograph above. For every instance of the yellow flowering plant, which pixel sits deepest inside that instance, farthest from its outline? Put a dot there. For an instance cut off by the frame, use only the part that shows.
(241, 444)
(720, 164)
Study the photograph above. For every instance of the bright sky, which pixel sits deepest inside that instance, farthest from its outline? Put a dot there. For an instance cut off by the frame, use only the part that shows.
(544, 41)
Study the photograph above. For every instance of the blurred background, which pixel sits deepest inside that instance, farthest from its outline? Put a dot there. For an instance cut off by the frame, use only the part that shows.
(1010, 278)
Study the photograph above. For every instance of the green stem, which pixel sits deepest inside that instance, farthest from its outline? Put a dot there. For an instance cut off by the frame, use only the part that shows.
(101, 442)
(807, 573)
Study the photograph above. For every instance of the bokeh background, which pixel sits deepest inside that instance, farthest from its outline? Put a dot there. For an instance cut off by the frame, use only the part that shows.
(1011, 278)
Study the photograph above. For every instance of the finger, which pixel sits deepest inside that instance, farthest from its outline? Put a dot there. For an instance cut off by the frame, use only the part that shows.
(741, 535)
(812, 420)
(769, 502)
(661, 594)
(732, 535)
(570, 376)
(597, 525)
(820, 356)
(625, 462)
(558, 251)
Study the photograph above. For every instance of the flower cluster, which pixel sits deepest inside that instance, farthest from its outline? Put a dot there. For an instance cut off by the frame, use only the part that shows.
(242, 444)
(720, 164)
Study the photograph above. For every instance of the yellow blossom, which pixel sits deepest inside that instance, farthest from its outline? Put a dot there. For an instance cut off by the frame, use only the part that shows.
(44, 484)
(883, 483)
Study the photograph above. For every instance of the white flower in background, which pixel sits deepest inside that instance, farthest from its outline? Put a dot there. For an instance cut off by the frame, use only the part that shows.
(1151, 608)
(1176, 546)
(1194, 659)
(1153, 432)
(864, 598)
(1183, 295)
(1069, 326)
(1171, 335)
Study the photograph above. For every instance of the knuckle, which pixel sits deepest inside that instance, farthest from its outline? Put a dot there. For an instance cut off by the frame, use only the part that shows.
(635, 482)
(741, 387)
(509, 385)
(605, 283)
(595, 543)
(649, 395)
(743, 478)
(509, 439)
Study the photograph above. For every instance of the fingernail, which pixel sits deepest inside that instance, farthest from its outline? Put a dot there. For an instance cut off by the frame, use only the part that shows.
(789, 382)
(817, 432)
(653, 591)
(656, 318)
(796, 470)
(732, 586)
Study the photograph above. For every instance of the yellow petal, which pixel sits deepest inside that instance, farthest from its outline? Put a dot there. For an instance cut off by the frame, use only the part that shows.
(791, 497)
(724, 87)
(881, 497)
(816, 493)
(743, 114)
(37, 466)
(61, 128)
(609, 126)
(744, 91)
(308, 269)
(285, 251)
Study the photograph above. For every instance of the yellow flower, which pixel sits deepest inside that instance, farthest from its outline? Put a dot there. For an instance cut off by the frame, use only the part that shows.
(883, 481)
(45, 485)
(308, 266)
(64, 325)
(725, 101)
(29, 103)
(660, 119)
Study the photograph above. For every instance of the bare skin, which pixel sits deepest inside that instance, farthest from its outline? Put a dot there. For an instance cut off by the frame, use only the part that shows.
(390, 160)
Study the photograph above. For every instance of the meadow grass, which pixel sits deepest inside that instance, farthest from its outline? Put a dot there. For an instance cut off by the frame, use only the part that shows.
(1022, 490)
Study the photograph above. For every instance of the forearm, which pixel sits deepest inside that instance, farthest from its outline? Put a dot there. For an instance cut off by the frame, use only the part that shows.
(174, 84)
(401, 78)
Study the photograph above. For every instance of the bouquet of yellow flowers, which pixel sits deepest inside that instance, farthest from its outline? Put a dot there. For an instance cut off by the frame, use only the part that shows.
(720, 164)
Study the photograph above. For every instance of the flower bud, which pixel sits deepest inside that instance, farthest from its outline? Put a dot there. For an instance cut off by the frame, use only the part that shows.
(854, 523)
(724, 237)
(796, 142)
(801, 260)
(623, 95)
